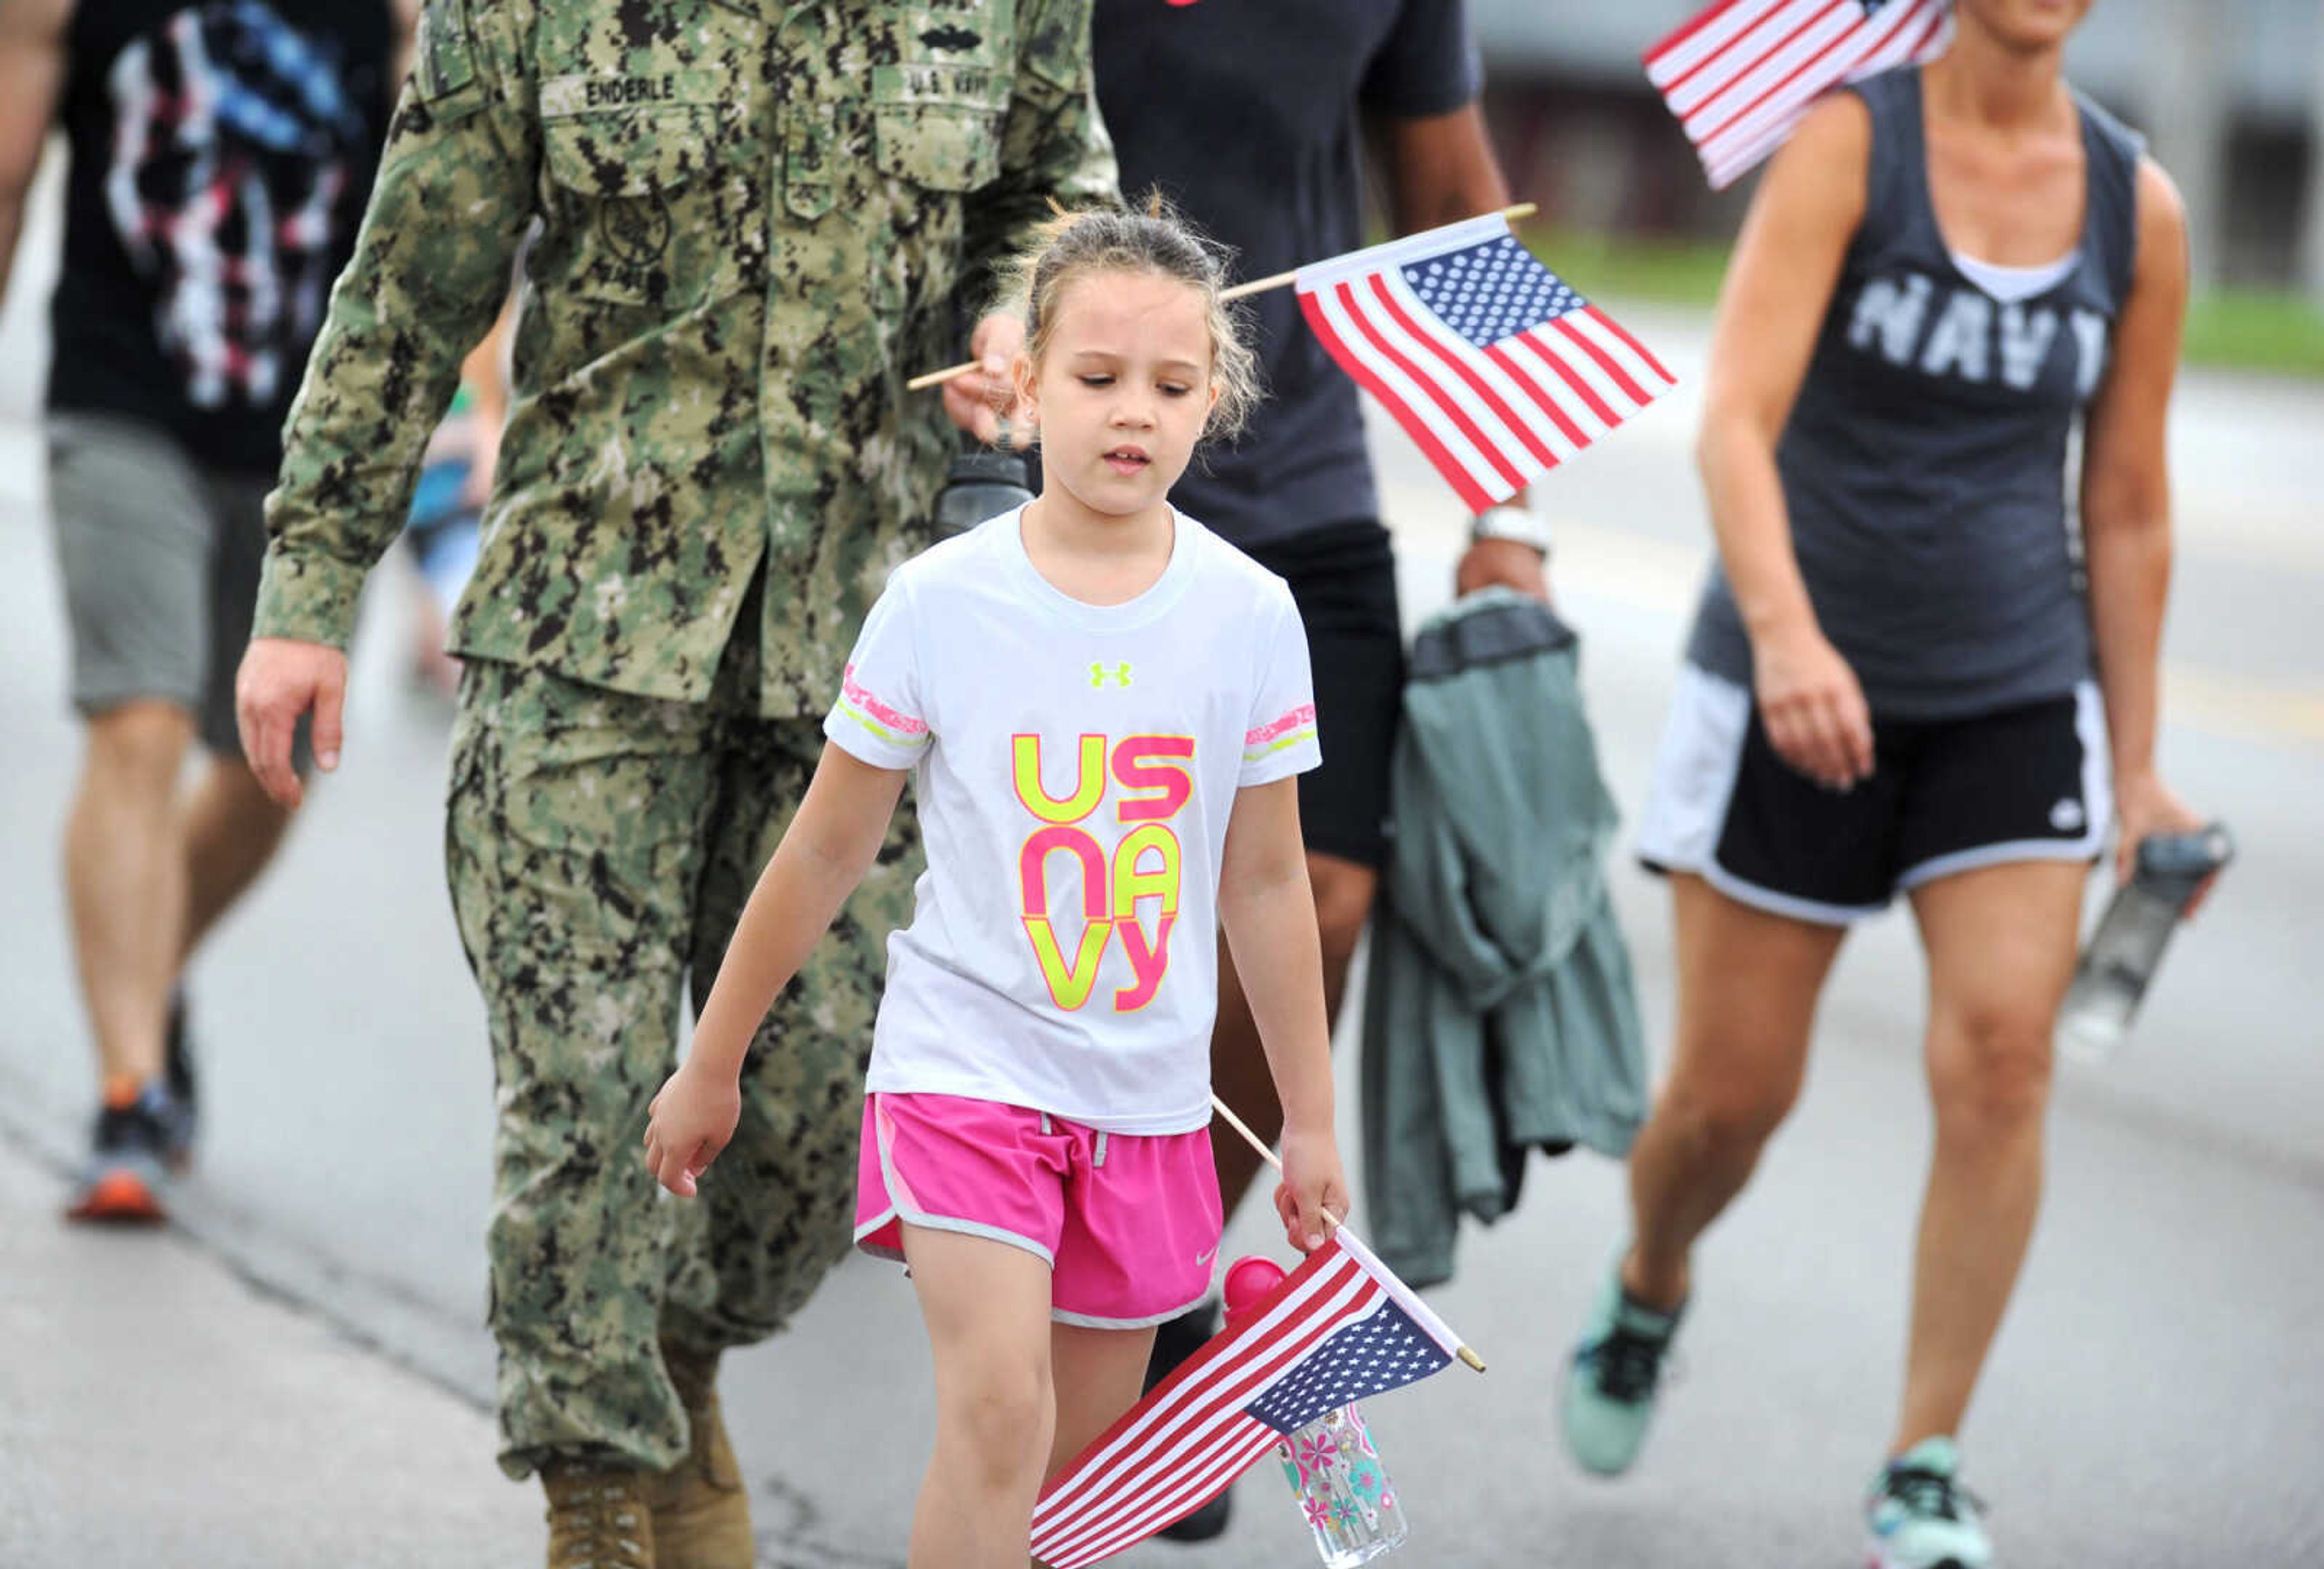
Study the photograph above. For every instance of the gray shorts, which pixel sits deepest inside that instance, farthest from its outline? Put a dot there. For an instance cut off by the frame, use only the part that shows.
(160, 558)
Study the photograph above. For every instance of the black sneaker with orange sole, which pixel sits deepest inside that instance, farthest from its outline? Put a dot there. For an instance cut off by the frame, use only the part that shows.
(139, 1132)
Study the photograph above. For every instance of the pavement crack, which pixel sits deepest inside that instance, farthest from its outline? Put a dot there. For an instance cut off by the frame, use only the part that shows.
(790, 1541)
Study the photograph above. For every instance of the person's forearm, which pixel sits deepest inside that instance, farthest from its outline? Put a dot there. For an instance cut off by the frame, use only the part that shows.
(32, 63)
(403, 316)
(2129, 561)
(353, 442)
(1477, 190)
(1270, 926)
(1737, 462)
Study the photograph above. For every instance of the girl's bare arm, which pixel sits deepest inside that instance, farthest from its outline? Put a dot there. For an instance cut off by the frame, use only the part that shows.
(825, 852)
(1268, 913)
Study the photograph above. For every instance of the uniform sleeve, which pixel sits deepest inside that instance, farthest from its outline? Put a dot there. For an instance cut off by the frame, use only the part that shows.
(881, 719)
(1280, 740)
(429, 275)
(1427, 65)
(1053, 142)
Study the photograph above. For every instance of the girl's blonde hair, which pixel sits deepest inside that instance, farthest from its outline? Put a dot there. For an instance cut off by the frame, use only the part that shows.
(1158, 241)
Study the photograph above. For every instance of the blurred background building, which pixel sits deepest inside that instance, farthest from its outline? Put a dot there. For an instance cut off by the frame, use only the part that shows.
(2230, 93)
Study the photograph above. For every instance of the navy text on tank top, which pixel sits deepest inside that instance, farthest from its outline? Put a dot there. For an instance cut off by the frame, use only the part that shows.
(1924, 464)
(222, 152)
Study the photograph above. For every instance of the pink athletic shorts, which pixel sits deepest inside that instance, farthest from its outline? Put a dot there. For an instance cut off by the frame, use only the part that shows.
(1129, 1223)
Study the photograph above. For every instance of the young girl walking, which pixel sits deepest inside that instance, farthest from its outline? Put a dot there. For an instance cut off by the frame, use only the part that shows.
(1103, 707)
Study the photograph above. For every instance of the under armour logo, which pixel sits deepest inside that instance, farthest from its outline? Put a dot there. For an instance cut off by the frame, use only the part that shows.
(1121, 674)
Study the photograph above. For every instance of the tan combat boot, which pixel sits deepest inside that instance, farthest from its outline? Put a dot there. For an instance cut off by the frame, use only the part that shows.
(598, 1517)
(701, 1510)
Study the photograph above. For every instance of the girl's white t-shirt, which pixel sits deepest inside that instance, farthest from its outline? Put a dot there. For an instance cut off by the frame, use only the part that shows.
(1075, 766)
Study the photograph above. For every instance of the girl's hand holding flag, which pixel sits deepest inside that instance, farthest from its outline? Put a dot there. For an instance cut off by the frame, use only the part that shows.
(1312, 1196)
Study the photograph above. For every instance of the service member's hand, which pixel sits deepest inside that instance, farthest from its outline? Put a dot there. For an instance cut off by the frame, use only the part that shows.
(280, 681)
(1813, 707)
(977, 400)
(1312, 1196)
(689, 1123)
(1507, 563)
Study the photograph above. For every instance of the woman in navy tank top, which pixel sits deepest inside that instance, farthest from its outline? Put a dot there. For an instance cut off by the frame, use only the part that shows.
(1909, 676)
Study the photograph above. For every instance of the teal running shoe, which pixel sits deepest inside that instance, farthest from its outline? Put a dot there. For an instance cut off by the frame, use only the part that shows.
(1609, 1386)
(1920, 1517)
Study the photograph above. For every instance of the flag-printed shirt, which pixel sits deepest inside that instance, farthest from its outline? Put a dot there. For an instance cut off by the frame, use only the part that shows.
(1075, 766)
(221, 156)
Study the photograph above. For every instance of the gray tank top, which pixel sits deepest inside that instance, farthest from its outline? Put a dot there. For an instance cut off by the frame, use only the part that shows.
(1924, 465)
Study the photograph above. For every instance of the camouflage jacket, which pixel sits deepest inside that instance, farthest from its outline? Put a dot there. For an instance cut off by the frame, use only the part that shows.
(753, 220)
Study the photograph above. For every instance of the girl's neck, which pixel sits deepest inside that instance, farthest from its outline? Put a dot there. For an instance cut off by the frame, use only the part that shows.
(1094, 557)
(1993, 86)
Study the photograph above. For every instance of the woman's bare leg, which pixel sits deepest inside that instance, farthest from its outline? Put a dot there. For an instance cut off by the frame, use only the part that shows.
(1747, 984)
(2001, 950)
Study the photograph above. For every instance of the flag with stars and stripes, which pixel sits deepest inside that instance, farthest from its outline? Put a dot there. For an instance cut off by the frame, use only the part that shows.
(1741, 76)
(1486, 357)
(1341, 1328)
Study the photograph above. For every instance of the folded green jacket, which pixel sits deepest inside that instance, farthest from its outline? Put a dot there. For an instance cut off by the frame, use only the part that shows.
(1500, 1015)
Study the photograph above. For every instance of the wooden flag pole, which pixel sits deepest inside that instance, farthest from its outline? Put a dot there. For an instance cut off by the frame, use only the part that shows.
(1469, 1358)
(1523, 210)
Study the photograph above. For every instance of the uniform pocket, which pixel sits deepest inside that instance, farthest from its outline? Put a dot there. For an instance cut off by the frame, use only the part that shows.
(650, 204)
(593, 818)
(938, 127)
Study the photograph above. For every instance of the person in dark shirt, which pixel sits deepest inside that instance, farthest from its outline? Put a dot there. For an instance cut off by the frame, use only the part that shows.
(220, 159)
(1257, 120)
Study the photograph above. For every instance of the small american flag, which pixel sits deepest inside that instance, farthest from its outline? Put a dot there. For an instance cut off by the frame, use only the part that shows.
(1487, 358)
(1341, 1328)
(1741, 76)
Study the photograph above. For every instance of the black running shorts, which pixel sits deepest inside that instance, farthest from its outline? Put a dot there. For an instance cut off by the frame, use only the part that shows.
(1946, 796)
(1342, 576)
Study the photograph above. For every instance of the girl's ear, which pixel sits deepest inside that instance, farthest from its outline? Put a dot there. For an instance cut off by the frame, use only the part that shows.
(1026, 415)
(1028, 401)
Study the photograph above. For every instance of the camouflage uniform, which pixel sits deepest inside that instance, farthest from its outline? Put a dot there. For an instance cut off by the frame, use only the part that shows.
(754, 221)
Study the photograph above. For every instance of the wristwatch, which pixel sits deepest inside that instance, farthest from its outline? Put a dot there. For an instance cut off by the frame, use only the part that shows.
(1512, 521)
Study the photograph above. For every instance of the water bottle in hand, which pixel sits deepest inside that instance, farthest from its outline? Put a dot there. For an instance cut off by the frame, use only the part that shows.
(1334, 1470)
(2119, 964)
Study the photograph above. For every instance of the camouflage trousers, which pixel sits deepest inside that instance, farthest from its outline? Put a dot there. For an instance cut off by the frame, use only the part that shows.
(600, 848)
